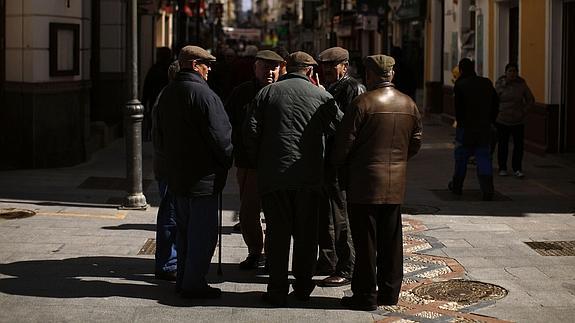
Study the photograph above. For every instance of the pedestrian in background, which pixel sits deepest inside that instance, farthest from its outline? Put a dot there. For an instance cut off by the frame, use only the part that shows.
(404, 79)
(284, 134)
(378, 134)
(514, 99)
(196, 138)
(156, 79)
(166, 229)
(266, 71)
(476, 106)
(336, 254)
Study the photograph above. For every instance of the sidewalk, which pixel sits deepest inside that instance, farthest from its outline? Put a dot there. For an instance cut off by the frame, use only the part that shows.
(78, 258)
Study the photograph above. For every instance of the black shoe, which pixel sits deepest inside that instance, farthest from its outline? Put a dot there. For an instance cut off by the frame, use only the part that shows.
(386, 301)
(252, 262)
(300, 296)
(237, 227)
(453, 189)
(206, 292)
(334, 281)
(354, 304)
(166, 275)
(274, 300)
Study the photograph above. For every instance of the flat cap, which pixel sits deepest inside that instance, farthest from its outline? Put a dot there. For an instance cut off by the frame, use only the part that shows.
(333, 54)
(189, 53)
(300, 59)
(269, 55)
(381, 64)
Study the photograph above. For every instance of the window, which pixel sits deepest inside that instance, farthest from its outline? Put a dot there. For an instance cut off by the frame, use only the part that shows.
(64, 49)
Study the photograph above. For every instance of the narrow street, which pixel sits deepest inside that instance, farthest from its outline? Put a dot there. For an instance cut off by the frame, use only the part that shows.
(79, 258)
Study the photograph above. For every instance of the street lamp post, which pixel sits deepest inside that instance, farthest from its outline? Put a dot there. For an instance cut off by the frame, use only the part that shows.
(133, 116)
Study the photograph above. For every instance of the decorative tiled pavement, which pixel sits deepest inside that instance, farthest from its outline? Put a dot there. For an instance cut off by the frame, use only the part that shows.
(420, 270)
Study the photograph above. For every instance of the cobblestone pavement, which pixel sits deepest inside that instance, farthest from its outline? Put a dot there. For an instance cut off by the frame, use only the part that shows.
(419, 270)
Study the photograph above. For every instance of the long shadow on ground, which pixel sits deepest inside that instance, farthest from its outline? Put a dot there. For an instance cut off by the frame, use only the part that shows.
(131, 278)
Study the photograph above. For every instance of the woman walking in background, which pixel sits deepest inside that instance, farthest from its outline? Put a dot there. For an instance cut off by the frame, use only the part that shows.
(514, 98)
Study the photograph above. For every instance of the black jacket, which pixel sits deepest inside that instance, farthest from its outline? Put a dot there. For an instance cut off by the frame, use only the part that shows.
(194, 134)
(285, 132)
(345, 90)
(237, 107)
(476, 108)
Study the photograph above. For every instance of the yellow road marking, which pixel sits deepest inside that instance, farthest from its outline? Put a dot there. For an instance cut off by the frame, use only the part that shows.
(119, 215)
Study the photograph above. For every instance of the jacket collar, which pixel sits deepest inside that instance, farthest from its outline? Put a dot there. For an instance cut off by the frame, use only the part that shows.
(190, 75)
(382, 85)
(294, 75)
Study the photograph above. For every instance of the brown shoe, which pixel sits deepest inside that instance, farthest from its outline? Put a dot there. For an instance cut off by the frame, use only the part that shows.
(334, 281)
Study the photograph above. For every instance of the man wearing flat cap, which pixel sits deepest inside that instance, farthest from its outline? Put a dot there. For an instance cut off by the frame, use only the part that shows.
(284, 135)
(194, 134)
(379, 133)
(336, 254)
(266, 71)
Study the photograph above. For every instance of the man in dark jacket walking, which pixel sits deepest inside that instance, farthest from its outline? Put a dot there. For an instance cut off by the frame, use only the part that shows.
(336, 254)
(266, 71)
(196, 139)
(378, 134)
(284, 134)
(476, 108)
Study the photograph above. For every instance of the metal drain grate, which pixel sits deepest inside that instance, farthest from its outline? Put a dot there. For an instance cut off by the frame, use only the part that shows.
(109, 183)
(553, 248)
(460, 291)
(468, 195)
(15, 213)
(149, 248)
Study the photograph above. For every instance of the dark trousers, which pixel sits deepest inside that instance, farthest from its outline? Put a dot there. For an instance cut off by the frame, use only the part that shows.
(197, 220)
(517, 132)
(336, 254)
(250, 207)
(462, 153)
(378, 241)
(166, 255)
(291, 213)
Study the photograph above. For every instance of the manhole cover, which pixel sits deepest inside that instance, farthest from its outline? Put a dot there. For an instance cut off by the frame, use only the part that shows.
(14, 213)
(553, 248)
(460, 291)
(149, 248)
(418, 209)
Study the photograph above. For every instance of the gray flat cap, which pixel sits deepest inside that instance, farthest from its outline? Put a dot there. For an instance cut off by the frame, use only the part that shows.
(269, 55)
(300, 59)
(381, 64)
(190, 53)
(333, 54)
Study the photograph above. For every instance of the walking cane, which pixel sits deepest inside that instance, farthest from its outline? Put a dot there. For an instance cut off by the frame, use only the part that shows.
(220, 238)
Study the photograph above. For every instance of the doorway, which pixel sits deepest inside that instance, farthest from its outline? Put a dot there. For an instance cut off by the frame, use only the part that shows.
(568, 78)
(513, 34)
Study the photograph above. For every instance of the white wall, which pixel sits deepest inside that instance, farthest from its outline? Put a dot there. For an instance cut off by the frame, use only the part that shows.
(451, 37)
(27, 38)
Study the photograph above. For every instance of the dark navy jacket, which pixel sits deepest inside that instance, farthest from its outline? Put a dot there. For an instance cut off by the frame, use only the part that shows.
(194, 135)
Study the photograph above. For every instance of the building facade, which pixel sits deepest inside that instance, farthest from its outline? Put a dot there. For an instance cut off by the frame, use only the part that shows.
(536, 34)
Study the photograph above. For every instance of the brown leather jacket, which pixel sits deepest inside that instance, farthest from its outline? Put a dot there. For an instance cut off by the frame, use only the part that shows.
(378, 134)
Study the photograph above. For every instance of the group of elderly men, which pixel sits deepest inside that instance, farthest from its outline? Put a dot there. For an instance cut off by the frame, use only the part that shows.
(316, 159)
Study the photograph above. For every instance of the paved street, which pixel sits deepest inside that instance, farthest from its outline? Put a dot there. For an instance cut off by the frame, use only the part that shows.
(79, 258)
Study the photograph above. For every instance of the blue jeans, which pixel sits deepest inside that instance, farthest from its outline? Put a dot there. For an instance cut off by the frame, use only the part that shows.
(462, 153)
(166, 255)
(197, 220)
